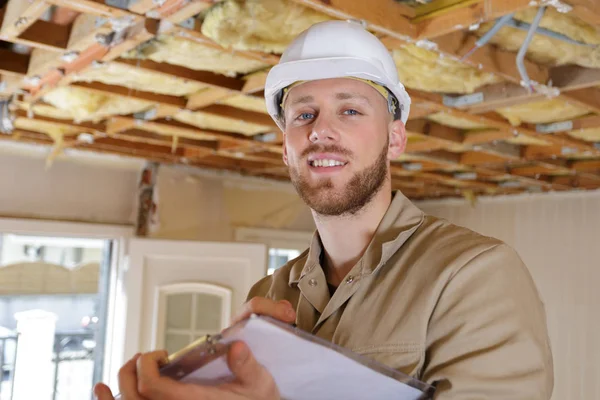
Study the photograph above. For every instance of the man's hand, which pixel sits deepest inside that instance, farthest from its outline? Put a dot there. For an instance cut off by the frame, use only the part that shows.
(281, 310)
(139, 379)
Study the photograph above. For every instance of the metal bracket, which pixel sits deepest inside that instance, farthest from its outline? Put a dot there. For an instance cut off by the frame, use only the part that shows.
(412, 166)
(7, 118)
(123, 4)
(555, 127)
(465, 100)
(568, 150)
(189, 23)
(466, 176)
(510, 184)
(145, 115)
(266, 137)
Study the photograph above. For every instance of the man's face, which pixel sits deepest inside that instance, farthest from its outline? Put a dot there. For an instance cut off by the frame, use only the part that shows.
(339, 137)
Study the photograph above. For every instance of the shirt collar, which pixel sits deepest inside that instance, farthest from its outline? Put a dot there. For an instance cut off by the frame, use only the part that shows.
(400, 221)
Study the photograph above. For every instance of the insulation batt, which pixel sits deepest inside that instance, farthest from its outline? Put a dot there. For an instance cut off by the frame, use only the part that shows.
(545, 50)
(427, 70)
(139, 79)
(542, 112)
(591, 135)
(85, 105)
(259, 25)
(218, 123)
(187, 53)
(249, 103)
(455, 122)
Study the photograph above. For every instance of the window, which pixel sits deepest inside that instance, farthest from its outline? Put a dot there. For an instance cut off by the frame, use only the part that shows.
(283, 245)
(189, 311)
(278, 258)
(56, 307)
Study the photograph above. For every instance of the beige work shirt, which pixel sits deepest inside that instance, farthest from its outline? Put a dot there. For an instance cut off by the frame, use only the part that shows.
(436, 301)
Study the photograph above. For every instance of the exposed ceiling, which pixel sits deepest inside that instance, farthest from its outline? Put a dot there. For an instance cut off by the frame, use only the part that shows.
(181, 82)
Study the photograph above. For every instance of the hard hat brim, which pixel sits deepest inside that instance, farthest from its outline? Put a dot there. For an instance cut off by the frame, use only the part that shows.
(283, 75)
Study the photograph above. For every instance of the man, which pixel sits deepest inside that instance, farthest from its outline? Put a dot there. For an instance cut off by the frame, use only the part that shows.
(430, 299)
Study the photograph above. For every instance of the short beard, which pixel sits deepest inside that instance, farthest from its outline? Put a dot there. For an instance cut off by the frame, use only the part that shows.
(360, 190)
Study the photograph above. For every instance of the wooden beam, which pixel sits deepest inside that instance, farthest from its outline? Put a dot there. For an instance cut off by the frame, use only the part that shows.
(478, 158)
(493, 120)
(236, 113)
(142, 6)
(489, 58)
(20, 15)
(586, 98)
(196, 35)
(98, 8)
(586, 10)
(487, 136)
(586, 166)
(193, 8)
(537, 169)
(386, 17)
(13, 64)
(203, 77)
(573, 77)
(255, 82)
(461, 17)
(207, 97)
(46, 35)
(129, 93)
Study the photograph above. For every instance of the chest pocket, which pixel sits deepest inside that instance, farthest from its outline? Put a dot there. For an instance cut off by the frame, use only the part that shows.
(404, 357)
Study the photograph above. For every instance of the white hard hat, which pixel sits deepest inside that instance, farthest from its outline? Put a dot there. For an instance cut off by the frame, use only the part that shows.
(334, 49)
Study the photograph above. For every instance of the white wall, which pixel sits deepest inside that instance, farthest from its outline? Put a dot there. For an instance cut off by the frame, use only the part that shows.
(193, 204)
(557, 235)
(73, 188)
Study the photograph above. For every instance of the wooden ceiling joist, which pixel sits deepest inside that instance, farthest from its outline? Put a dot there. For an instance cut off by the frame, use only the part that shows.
(440, 161)
(465, 14)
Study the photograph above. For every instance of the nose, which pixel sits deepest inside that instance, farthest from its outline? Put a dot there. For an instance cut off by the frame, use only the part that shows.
(323, 130)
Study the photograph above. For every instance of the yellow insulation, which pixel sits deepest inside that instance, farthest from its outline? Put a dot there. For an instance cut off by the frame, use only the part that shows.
(85, 105)
(249, 103)
(259, 25)
(542, 112)
(455, 122)
(528, 141)
(591, 134)
(546, 50)
(423, 69)
(218, 123)
(193, 55)
(139, 79)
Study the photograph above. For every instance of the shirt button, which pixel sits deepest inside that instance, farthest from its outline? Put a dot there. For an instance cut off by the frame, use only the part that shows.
(350, 279)
(312, 282)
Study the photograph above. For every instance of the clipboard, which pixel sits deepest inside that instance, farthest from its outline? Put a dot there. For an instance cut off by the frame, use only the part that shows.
(304, 366)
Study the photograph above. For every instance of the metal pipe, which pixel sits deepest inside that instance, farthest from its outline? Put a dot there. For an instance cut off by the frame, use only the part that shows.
(524, 26)
(489, 34)
(525, 46)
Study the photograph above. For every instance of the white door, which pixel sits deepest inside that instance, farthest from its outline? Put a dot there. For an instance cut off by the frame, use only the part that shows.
(178, 291)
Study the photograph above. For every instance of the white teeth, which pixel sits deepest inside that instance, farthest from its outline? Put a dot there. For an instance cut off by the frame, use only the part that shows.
(326, 163)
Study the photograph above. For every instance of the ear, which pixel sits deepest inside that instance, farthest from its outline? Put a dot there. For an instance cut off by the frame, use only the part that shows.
(397, 145)
(285, 155)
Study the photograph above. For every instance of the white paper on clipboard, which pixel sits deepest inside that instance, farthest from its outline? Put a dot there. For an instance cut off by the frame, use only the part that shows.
(304, 367)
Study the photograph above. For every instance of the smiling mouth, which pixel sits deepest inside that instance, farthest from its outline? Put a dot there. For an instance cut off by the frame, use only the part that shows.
(324, 163)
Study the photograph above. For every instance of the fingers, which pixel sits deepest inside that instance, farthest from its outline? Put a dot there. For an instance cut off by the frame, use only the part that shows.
(148, 373)
(128, 380)
(249, 373)
(102, 392)
(281, 310)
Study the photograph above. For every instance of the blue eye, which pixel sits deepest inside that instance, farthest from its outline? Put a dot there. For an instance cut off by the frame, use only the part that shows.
(352, 112)
(305, 116)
